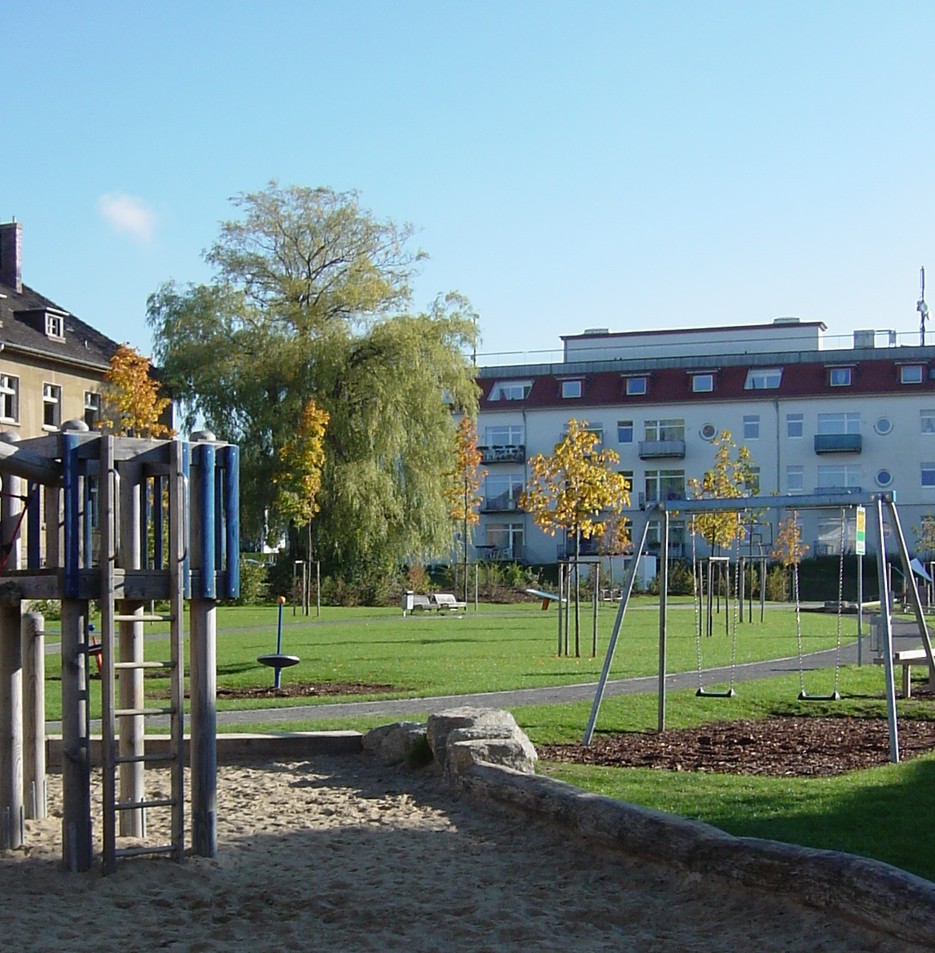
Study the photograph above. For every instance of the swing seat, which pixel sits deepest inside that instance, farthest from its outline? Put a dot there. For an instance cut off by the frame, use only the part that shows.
(704, 693)
(806, 697)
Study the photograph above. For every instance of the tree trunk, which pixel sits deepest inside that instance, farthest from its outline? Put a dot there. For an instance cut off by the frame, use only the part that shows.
(577, 593)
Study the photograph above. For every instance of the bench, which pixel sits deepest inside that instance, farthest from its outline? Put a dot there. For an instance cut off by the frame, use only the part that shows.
(421, 603)
(907, 658)
(446, 601)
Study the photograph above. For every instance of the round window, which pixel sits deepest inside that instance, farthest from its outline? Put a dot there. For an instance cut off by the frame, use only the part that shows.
(708, 432)
(884, 478)
(883, 426)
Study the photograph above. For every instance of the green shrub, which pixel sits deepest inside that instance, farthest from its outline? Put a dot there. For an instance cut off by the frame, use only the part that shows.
(254, 582)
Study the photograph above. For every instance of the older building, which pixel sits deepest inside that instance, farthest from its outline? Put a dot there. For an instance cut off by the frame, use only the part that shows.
(818, 415)
(52, 364)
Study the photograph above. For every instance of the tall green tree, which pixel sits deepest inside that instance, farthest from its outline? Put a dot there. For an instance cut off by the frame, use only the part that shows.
(310, 301)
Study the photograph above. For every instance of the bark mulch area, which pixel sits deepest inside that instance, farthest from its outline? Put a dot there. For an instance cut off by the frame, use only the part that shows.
(784, 746)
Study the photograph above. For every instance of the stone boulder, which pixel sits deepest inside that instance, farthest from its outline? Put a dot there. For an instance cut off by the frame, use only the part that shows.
(401, 742)
(460, 737)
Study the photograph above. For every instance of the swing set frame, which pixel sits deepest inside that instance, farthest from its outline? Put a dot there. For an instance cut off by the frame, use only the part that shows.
(880, 504)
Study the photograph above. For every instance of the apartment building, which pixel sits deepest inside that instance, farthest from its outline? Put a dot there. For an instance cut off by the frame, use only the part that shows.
(52, 364)
(819, 416)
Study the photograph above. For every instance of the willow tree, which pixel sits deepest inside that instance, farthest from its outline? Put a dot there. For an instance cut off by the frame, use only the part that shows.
(576, 490)
(311, 300)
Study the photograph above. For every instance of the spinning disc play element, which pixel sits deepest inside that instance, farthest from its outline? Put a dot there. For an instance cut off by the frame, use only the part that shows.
(277, 661)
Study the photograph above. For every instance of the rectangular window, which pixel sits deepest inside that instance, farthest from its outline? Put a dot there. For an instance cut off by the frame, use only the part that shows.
(911, 374)
(571, 389)
(665, 485)
(510, 390)
(502, 491)
(55, 326)
(702, 383)
(839, 423)
(92, 409)
(624, 431)
(838, 476)
(928, 474)
(671, 429)
(795, 479)
(505, 540)
(795, 425)
(510, 435)
(9, 398)
(597, 429)
(628, 476)
(637, 386)
(752, 483)
(51, 406)
(927, 421)
(763, 378)
(751, 427)
(840, 376)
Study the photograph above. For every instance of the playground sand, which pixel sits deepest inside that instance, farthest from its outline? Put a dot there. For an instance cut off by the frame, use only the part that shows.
(341, 854)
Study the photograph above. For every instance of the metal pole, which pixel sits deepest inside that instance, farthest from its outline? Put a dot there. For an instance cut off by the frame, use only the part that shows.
(663, 615)
(886, 620)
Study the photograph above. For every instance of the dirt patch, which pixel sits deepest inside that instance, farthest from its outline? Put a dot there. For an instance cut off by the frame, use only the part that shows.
(778, 747)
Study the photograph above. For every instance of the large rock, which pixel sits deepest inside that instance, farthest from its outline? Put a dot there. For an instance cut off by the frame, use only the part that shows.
(460, 737)
(401, 742)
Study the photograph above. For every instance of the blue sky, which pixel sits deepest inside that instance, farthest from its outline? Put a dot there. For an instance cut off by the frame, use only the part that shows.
(566, 165)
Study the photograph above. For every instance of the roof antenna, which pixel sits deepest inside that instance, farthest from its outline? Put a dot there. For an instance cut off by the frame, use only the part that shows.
(922, 307)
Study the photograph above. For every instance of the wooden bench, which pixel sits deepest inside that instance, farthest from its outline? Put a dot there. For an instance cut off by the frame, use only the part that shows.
(446, 601)
(907, 658)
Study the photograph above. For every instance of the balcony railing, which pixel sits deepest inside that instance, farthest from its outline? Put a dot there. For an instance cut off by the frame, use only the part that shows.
(493, 553)
(512, 454)
(837, 490)
(838, 443)
(502, 503)
(655, 449)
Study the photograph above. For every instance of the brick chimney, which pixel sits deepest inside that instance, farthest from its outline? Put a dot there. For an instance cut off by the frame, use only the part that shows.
(11, 250)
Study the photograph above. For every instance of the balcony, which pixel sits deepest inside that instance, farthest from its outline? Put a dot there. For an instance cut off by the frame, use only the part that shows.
(838, 443)
(511, 454)
(491, 553)
(502, 503)
(658, 449)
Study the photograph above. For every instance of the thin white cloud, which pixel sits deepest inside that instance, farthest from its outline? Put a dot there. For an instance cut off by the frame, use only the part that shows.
(128, 215)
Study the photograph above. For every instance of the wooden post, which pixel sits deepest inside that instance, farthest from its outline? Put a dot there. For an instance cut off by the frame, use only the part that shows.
(130, 649)
(11, 729)
(34, 782)
(203, 673)
(76, 764)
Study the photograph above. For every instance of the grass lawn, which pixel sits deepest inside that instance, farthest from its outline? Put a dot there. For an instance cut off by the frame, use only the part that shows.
(497, 648)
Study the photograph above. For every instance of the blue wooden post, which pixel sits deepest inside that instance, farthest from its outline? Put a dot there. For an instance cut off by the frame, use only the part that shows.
(206, 516)
(72, 507)
(33, 528)
(231, 505)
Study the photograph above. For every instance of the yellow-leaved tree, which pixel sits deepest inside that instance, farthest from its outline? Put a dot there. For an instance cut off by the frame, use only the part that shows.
(575, 491)
(788, 548)
(132, 404)
(731, 477)
(463, 497)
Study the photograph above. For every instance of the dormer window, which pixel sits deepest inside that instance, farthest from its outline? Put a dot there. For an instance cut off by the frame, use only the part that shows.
(840, 376)
(702, 383)
(911, 374)
(636, 386)
(571, 388)
(510, 390)
(55, 326)
(763, 378)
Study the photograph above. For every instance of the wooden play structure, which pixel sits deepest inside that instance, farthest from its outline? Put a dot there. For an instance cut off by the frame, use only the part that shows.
(127, 523)
(879, 508)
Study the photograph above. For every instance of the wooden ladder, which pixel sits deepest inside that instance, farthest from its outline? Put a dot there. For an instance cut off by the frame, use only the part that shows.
(115, 720)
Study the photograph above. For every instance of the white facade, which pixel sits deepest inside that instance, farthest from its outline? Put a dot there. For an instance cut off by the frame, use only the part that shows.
(815, 420)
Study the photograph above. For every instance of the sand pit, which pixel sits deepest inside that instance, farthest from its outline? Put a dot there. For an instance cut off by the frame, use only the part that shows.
(341, 854)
